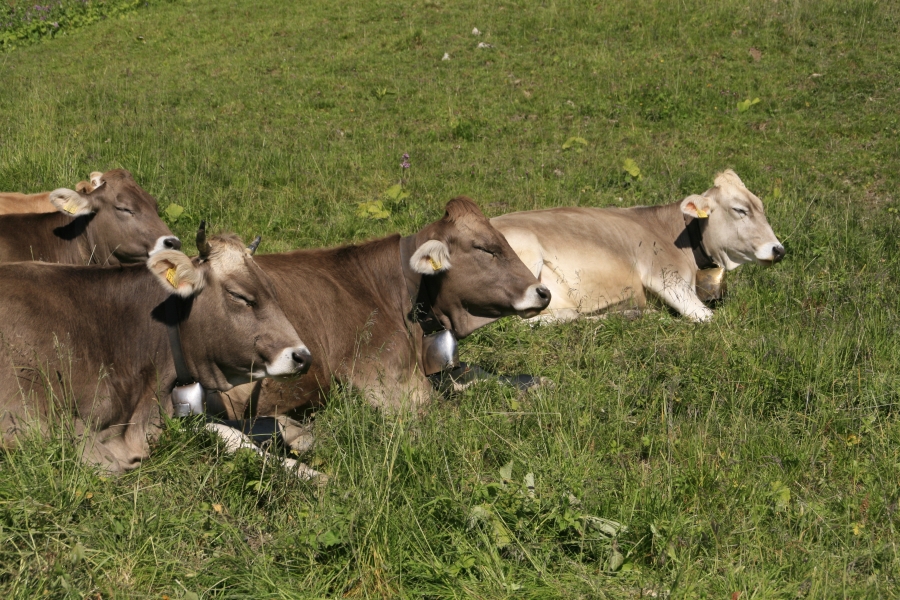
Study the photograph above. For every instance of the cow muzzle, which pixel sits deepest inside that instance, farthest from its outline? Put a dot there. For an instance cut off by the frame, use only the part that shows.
(166, 242)
(290, 362)
(776, 253)
(536, 298)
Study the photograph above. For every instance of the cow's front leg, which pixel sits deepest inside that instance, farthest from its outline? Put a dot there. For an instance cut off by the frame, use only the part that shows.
(675, 290)
(416, 391)
(235, 440)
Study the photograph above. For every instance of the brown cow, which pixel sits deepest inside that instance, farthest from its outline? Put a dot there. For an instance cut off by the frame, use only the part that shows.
(14, 203)
(117, 222)
(350, 304)
(95, 352)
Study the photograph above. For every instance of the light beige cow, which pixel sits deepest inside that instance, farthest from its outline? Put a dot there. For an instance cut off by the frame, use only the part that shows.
(595, 259)
(15, 203)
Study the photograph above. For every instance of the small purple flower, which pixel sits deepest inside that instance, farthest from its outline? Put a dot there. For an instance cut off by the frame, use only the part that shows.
(405, 163)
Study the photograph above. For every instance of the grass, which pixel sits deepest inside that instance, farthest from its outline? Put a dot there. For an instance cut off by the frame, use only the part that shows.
(24, 23)
(754, 457)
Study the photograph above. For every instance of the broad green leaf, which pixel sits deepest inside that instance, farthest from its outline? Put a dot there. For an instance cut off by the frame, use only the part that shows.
(776, 193)
(606, 526)
(78, 554)
(670, 552)
(781, 494)
(630, 167)
(173, 211)
(744, 105)
(329, 539)
(466, 562)
(394, 191)
(373, 209)
(574, 140)
(501, 534)
(482, 512)
(615, 561)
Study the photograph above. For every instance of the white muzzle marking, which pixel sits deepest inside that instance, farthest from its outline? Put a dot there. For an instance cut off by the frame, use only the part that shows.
(530, 301)
(286, 363)
(166, 242)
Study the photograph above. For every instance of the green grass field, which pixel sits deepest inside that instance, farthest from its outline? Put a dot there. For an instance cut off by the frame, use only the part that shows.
(757, 456)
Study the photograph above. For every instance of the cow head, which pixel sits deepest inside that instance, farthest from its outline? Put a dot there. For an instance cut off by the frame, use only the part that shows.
(470, 273)
(124, 224)
(232, 328)
(734, 226)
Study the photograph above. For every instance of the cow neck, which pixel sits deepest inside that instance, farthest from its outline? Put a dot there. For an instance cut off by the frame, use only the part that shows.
(92, 251)
(421, 312)
(703, 260)
(173, 318)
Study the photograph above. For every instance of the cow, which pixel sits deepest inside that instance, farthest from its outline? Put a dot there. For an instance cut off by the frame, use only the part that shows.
(96, 352)
(116, 222)
(354, 304)
(594, 259)
(15, 203)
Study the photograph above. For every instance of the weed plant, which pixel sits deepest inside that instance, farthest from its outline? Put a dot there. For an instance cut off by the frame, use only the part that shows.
(757, 456)
(23, 23)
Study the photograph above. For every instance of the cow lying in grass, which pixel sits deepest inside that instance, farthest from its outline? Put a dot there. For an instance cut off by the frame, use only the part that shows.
(95, 351)
(15, 203)
(115, 222)
(593, 259)
(353, 305)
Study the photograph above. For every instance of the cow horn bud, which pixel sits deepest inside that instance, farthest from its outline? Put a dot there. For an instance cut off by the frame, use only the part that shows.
(254, 245)
(202, 245)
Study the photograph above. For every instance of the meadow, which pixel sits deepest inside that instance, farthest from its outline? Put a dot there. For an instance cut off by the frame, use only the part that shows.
(756, 456)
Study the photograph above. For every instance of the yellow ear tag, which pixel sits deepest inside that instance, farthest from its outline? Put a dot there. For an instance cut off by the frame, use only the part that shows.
(170, 276)
(434, 265)
(702, 214)
(70, 207)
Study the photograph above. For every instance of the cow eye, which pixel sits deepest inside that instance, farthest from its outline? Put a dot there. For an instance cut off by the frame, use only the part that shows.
(485, 250)
(243, 299)
(741, 211)
(125, 209)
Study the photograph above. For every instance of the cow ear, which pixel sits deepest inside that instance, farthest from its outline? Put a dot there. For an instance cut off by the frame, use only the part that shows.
(431, 258)
(177, 273)
(696, 206)
(86, 187)
(71, 203)
(96, 179)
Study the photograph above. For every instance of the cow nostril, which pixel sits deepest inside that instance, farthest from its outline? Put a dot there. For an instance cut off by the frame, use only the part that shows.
(543, 292)
(303, 359)
(778, 253)
(172, 243)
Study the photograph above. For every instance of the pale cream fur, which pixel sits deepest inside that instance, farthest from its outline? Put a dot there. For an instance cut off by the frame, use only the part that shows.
(692, 205)
(227, 254)
(594, 259)
(189, 280)
(71, 203)
(431, 254)
(728, 177)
